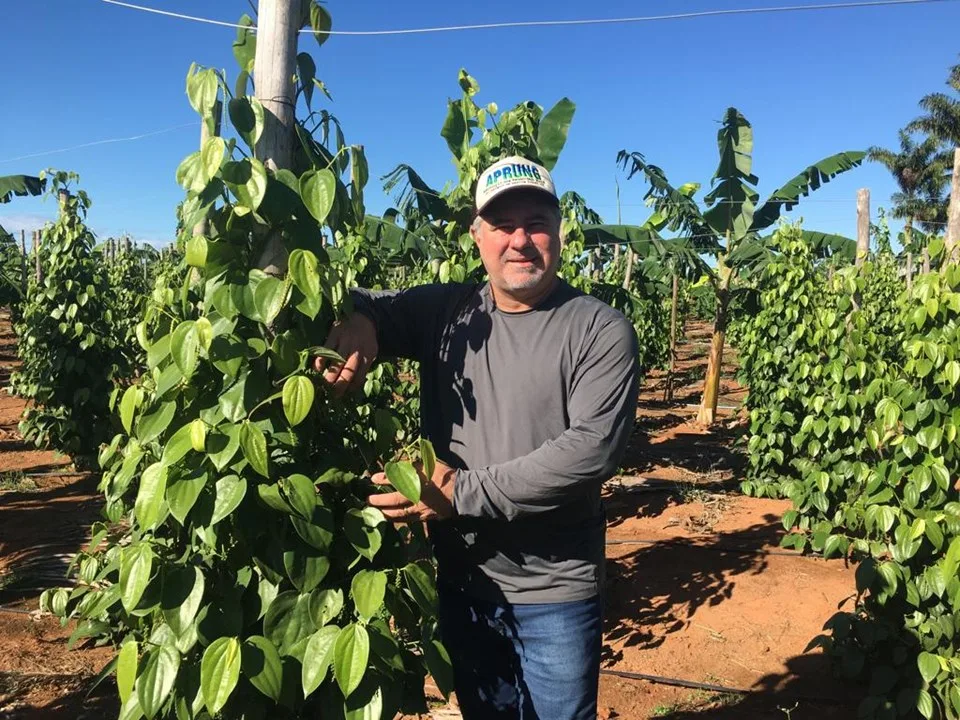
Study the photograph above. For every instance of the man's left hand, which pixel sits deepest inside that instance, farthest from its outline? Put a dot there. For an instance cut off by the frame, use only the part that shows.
(436, 497)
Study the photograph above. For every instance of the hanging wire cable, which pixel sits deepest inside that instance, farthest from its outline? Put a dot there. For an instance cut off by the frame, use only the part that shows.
(557, 23)
(98, 142)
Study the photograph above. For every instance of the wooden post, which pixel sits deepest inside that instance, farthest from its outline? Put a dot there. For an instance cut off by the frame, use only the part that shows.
(36, 256)
(863, 225)
(925, 257)
(23, 261)
(668, 391)
(908, 237)
(952, 239)
(278, 22)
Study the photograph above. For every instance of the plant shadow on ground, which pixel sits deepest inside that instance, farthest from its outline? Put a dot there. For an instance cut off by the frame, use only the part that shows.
(25, 697)
(683, 446)
(37, 526)
(655, 589)
(793, 695)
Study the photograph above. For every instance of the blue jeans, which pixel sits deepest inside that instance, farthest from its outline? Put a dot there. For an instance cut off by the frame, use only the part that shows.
(523, 662)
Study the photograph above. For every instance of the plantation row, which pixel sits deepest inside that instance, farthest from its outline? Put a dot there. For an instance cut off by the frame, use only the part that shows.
(238, 568)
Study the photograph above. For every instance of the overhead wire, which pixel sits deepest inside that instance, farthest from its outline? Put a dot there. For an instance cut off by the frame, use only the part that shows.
(554, 23)
(139, 136)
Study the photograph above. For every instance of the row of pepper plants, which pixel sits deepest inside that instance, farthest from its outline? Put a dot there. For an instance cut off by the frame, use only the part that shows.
(854, 408)
(238, 568)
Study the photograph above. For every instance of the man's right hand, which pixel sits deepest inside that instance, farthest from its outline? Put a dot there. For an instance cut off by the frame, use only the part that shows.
(355, 340)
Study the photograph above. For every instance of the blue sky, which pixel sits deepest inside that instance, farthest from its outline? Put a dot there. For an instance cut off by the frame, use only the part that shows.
(811, 83)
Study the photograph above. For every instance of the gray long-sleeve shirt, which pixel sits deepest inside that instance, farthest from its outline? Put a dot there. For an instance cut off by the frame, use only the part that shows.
(534, 409)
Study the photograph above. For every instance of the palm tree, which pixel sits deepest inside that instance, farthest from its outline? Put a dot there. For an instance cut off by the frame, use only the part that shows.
(942, 118)
(920, 173)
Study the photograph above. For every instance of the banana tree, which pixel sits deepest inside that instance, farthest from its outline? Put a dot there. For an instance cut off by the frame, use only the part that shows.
(731, 221)
(12, 262)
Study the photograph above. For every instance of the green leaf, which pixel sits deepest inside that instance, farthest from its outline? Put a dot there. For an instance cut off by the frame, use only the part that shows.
(197, 251)
(245, 46)
(182, 494)
(155, 681)
(925, 704)
(454, 129)
(929, 666)
(552, 133)
(318, 189)
(289, 621)
(177, 446)
(248, 181)
(269, 298)
(202, 90)
(181, 597)
(304, 271)
(136, 562)
(301, 493)
(350, 655)
(428, 457)
(404, 477)
(230, 491)
(222, 444)
(128, 406)
(365, 539)
(951, 560)
(219, 672)
(198, 435)
(211, 156)
(126, 669)
(149, 502)
(318, 657)
(151, 426)
(368, 589)
(261, 665)
(254, 446)
(298, 396)
(320, 22)
(438, 664)
(305, 567)
(185, 348)
(422, 587)
(246, 115)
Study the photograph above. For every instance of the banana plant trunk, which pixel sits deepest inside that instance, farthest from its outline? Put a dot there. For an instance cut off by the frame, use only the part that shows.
(628, 275)
(707, 414)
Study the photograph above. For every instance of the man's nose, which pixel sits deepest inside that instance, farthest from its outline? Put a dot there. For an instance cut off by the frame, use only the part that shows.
(519, 237)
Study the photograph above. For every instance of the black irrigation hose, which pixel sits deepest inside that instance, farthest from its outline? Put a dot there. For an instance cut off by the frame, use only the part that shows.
(679, 682)
(716, 548)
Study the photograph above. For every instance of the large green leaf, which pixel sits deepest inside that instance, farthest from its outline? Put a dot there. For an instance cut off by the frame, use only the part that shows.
(156, 678)
(289, 621)
(368, 589)
(229, 492)
(245, 45)
(181, 597)
(404, 477)
(350, 655)
(552, 133)
(149, 502)
(219, 672)
(182, 493)
(20, 185)
(733, 197)
(136, 562)
(454, 129)
(785, 198)
(254, 446)
(262, 666)
(127, 669)
(298, 396)
(318, 657)
(318, 190)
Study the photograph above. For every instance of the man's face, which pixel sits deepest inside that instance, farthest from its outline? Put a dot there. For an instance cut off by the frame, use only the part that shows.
(519, 241)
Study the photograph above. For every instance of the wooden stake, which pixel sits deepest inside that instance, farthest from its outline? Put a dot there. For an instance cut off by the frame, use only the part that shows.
(278, 22)
(952, 239)
(668, 391)
(908, 237)
(863, 225)
(23, 261)
(36, 256)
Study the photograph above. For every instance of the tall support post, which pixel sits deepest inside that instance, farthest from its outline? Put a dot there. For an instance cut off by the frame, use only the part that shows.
(863, 225)
(952, 240)
(668, 390)
(23, 261)
(278, 22)
(38, 273)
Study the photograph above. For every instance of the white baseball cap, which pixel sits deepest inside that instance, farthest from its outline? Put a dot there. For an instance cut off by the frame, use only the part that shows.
(512, 173)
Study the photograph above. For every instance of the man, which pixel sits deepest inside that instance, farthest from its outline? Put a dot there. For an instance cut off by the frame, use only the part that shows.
(528, 391)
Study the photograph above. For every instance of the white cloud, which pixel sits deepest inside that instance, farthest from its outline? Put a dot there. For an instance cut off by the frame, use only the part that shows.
(15, 222)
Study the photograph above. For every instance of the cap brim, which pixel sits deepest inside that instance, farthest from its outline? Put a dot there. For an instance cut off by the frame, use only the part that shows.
(515, 189)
